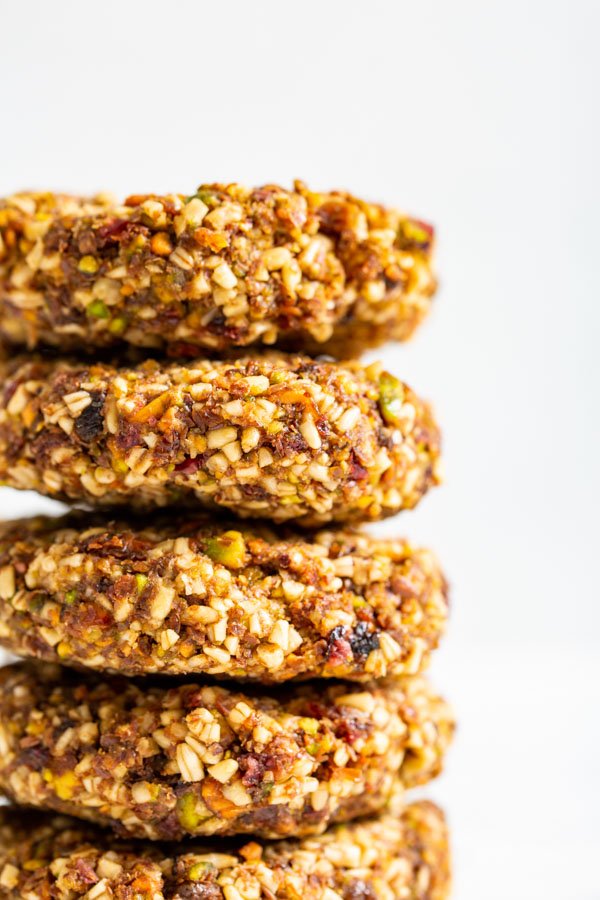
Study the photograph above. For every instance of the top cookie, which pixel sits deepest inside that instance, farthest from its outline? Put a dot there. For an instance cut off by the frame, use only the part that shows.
(227, 267)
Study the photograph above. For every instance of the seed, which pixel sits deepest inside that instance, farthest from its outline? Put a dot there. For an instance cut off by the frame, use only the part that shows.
(100, 891)
(76, 402)
(293, 590)
(234, 409)
(141, 793)
(168, 639)
(319, 800)
(265, 457)
(108, 868)
(97, 309)
(344, 566)
(218, 654)
(292, 275)
(9, 877)
(229, 549)
(238, 795)
(233, 451)
(240, 712)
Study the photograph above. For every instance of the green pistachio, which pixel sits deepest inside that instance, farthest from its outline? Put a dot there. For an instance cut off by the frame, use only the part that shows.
(391, 398)
(208, 197)
(228, 549)
(310, 726)
(186, 812)
(118, 325)
(88, 265)
(141, 582)
(97, 309)
(198, 871)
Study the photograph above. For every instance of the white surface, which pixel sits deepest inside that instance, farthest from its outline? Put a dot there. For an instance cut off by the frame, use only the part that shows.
(481, 117)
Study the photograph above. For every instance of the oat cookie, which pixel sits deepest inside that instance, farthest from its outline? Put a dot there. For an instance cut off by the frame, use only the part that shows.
(400, 854)
(227, 267)
(165, 762)
(274, 436)
(192, 595)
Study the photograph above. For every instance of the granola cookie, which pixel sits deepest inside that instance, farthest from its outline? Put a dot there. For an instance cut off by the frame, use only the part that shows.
(400, 854)
(190, 595)
(277, 437)
(165, 762)
(227, 267)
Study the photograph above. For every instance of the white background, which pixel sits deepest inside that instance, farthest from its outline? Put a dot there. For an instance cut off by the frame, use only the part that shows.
(481, 117)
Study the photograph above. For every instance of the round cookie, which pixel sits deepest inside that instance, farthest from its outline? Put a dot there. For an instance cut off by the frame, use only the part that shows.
(190, 595)
(274, 437)
(227, 267)
(165, 762)
(400, 854)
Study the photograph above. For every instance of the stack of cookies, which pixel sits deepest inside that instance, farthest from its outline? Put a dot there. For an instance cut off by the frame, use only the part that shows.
(219, 661)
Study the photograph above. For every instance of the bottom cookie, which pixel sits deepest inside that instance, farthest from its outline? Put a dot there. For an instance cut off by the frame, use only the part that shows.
(401, 854)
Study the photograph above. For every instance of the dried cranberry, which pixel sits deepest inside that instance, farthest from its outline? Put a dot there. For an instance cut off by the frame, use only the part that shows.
(189, 466)
(338, 647)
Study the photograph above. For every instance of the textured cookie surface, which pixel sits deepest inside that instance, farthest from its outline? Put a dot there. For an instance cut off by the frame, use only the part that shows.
(399, 855)
(275, 436)
(225, 268)
(188, 595)
(167, 762)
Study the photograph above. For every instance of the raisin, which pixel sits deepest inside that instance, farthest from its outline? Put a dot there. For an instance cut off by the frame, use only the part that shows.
(91, 421)
(363, 641)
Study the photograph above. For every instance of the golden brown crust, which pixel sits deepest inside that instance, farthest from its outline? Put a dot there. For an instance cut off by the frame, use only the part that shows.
(228, 267)
(274, 436)
(199, 760)
(401, 854)
(191, 595)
